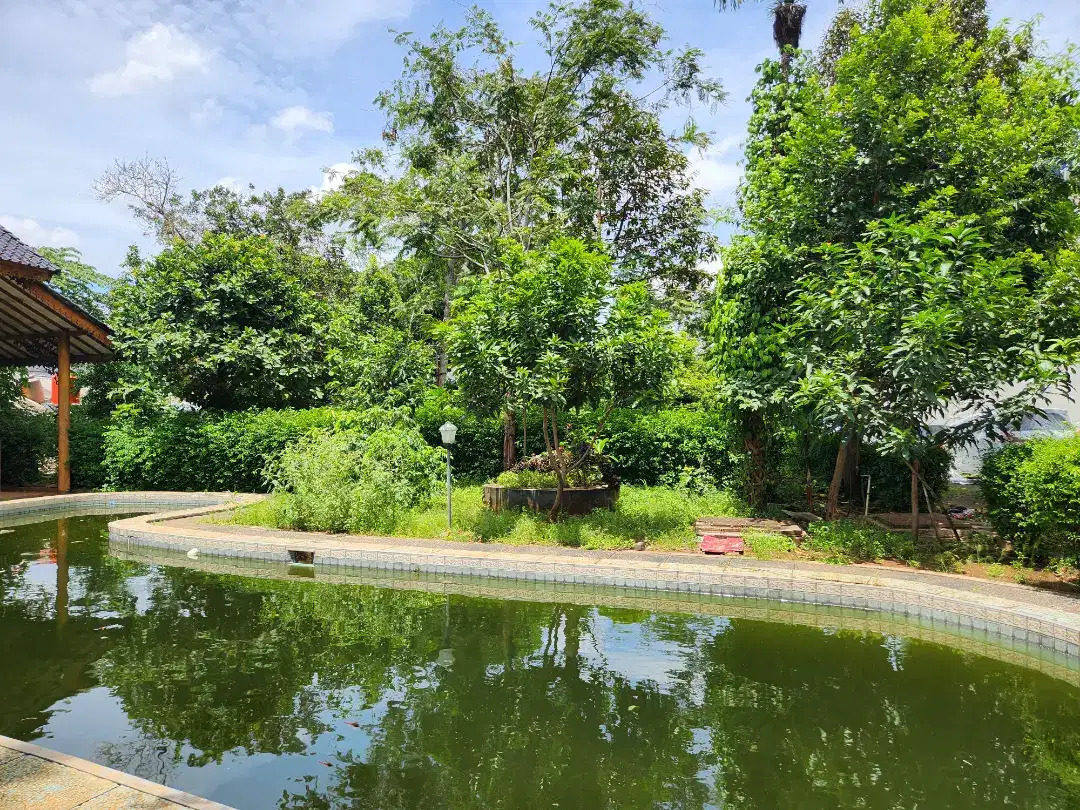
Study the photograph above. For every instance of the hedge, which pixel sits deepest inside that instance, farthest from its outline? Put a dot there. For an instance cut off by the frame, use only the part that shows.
(28, 444)
(1032, 492)
(27, 441)
(189, 450)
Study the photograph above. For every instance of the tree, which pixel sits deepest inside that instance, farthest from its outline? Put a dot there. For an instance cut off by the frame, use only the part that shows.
(551, 329)
(227, 323)
(79, 281)
(928, 134)
(787, 25)
(479, 151)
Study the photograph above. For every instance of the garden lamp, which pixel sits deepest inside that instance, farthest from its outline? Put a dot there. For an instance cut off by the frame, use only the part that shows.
(449, 433)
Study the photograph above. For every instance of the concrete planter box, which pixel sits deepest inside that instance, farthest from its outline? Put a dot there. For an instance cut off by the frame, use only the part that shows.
(576, 501)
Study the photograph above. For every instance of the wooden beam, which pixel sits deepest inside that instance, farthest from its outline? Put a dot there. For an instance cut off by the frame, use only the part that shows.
(43, 296)
(14, 270)
(63, 413)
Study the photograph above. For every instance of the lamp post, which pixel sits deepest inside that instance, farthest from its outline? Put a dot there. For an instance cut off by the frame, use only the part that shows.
(449, 433)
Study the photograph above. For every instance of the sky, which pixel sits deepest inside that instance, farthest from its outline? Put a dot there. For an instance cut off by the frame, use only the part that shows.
(275, 92)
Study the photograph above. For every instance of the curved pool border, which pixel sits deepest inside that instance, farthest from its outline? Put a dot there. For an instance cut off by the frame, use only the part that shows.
(1031, 623)
(1026, 619)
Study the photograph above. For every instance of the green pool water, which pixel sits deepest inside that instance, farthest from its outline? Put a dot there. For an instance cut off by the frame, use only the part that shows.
(297, 694)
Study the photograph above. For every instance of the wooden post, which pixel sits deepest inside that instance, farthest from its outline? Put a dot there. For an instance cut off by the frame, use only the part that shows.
(63, 413)
(915, 501)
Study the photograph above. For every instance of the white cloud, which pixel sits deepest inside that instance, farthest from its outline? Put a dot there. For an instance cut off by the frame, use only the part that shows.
(157, 55)
(334, 176)
(36, 235)
(710, 172)
(231, 183)
(295, 120)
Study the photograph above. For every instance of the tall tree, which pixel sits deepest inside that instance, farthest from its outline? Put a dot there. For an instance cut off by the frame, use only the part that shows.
(932, 136)
(787, 25)
(550, 329)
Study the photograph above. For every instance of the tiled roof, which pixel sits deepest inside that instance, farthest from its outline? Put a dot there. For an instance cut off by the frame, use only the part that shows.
(14, 250)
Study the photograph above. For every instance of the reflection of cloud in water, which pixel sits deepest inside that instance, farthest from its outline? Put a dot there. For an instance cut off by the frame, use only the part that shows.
(637, 653)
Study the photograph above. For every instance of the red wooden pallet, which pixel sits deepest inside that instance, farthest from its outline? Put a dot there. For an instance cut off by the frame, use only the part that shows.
(722, 544)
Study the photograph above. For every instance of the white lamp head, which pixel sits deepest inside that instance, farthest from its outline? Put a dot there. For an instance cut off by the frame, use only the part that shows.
(449, 432)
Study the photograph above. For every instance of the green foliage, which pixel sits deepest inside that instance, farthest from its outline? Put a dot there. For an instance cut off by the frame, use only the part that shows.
(660, 516)
(1032, 492)
(170, 449)
(86, 440)
(844, 542)
(890, 484)
(533, 479)
(78, 281)
(673, 447)
(27, 440)
(380, 353)
(550, 329)
(494, 153)
(349, 480)
(227, 322)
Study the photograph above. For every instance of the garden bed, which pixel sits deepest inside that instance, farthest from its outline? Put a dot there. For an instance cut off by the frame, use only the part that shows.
(576, 500)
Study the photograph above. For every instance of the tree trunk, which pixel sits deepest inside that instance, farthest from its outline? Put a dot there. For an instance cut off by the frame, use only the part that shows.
(915, 500)
(837, 477)
(754, 444)
(448, 297)
(851, 486)
(509, 452)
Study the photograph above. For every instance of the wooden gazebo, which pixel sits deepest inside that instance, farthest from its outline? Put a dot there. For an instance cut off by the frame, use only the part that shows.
(40, 327)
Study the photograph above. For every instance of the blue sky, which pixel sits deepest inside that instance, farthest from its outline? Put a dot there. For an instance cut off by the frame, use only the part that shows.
(273, 92)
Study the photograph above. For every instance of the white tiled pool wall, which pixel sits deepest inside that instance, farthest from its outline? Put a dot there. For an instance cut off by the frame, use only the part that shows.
(1024, 628)
(110, 500)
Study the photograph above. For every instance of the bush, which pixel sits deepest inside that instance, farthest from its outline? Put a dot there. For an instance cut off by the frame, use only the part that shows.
(846, 541)
(27, 441)
(1032, 492)
(87, 448)
(347, 480)
(204, 450)
(673, 447)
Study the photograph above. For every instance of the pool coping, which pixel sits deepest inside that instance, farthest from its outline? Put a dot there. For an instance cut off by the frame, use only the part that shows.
(1012, 612)
(111, 776)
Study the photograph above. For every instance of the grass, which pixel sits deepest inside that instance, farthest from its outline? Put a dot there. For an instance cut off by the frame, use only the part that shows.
(661, 517)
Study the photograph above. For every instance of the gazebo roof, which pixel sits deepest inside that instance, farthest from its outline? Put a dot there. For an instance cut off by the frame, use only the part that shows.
(33, 315)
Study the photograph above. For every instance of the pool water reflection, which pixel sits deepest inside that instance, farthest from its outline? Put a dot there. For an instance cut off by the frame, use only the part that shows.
(297, 694)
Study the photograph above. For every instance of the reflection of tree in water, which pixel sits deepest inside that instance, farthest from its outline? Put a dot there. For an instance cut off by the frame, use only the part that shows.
(484, 703)
(525, 726)
(796, 722)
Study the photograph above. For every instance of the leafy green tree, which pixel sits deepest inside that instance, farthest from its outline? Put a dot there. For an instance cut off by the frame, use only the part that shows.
(479, 151)
(227, 323)
(79, 281)
(927, 117)
(551, 329)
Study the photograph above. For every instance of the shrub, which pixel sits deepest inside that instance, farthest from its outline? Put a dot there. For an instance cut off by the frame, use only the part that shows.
(204, 450)
(674, 447)
(1032, 492)
(27, 440)
(846, 541)
(346, 480)
(87, 449)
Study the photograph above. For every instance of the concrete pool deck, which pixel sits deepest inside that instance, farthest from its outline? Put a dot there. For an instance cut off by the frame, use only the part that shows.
(37, 778)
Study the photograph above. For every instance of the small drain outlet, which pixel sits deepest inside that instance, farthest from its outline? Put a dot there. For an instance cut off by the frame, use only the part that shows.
(304, 557)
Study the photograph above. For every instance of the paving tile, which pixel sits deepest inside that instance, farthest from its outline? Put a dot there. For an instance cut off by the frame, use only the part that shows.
(31, 783)
(124, 798)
